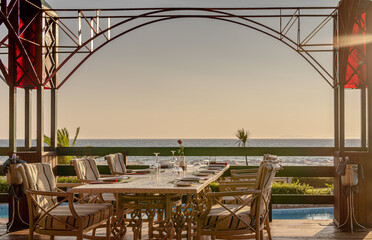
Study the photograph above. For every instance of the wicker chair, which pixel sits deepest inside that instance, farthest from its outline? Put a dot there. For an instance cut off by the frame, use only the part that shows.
(245, 179)
(116, 163)
(87, 172)
(248, 217)
(51, 217)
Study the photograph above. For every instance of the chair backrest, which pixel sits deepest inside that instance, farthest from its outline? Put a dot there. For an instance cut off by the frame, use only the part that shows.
(116, 163)
(86, 169)
(39, 177)
(265, 179)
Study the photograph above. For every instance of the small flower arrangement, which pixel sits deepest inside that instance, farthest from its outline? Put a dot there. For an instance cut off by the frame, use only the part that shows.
(181, 148)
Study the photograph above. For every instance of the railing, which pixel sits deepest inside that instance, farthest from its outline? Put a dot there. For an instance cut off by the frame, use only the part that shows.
(288, 171)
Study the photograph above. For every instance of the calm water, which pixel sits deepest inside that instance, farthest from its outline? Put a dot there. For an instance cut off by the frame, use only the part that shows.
(299, 161)
(304, 213)
(295, 213)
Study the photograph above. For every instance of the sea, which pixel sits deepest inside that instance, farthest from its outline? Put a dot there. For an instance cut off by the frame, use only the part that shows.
(233, 160)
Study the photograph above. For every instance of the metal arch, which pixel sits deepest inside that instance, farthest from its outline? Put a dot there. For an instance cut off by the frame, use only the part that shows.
(315, 64)
(170, 18)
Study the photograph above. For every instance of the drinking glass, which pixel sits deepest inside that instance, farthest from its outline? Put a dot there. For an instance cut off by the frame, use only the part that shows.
(205, 163)
(172, 162)
(196, 166)
(157, 165)
(177, 169)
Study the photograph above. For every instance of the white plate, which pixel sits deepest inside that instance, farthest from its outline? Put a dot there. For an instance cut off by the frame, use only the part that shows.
(215, 168)
(208, 171)
(202, 174)
(183, 184)
(141, 170)
(113, 178)
(190, 179)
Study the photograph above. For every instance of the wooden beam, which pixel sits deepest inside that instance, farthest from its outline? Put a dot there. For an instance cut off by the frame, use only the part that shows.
(40, 120)
(363, 111)
(28, 118)
(12, 119)
(53, 118)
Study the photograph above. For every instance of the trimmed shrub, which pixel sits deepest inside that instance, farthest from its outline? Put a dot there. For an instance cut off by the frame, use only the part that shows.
(215, 186)
(70, 179)
(291, 188)
(316, 182)
(4, 187)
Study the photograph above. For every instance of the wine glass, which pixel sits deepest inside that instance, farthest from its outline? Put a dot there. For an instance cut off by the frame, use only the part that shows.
(205, 163)
(177, 169)
(157, 165)
(172, 162)
(196, 166)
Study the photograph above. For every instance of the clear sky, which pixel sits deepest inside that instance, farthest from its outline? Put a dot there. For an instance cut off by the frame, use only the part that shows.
(194, 78)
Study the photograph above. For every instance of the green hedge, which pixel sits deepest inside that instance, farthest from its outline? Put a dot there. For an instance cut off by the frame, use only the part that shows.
(316, 182)
(4, 187)
(291, 188)
(69, 179)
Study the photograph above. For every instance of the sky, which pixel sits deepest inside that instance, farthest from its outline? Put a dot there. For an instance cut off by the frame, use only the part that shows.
(193, 78)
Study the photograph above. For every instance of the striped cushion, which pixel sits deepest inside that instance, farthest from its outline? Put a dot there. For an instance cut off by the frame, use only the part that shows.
(87, 169)
(267, 175)
(90, 213)
(221, 219)
(116, 163)
(40, 177)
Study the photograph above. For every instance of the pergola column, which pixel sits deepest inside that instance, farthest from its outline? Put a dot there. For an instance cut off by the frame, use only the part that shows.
(28, 121)
(12, 119)
(40, 121)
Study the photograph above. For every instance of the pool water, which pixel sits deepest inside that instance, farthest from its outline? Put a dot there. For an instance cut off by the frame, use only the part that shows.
(304, 213)
(293, 213)
(4, 211)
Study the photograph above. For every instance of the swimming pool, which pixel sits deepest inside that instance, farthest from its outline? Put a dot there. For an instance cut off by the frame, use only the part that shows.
(293, 213)
(304, 213)
(4, 211)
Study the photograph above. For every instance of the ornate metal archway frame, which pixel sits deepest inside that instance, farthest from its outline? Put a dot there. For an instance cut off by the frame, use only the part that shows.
(240, 16)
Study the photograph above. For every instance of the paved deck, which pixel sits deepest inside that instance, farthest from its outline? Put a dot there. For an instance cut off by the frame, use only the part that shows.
(281, 230)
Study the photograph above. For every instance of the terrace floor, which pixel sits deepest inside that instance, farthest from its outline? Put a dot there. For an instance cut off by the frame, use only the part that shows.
(281, 230)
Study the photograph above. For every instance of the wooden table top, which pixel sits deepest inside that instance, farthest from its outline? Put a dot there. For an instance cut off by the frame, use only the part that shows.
(152, 183)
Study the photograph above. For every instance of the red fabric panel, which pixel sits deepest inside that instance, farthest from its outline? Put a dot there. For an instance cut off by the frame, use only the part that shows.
(24, 77)
(356, 66)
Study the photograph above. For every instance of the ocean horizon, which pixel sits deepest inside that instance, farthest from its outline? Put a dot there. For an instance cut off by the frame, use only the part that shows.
(210, 142)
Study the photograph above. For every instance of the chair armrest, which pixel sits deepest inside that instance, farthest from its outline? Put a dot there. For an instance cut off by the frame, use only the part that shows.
(214, 197)
(232, 193)
(51, 194)
(86, 181)
(106, 175)
(236, 185)
(244, 176)
(248, 182)
(68, 185)
(67, 195)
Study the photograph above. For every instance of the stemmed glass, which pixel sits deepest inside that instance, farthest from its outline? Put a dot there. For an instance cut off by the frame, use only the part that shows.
(173, 161)
(196, 166)
(205, 163)
(157, 165)
(177, 169)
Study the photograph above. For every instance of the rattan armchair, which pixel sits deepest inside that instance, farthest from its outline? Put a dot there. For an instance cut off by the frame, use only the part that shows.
(66, 217)
(87, 172)
(117, 163)
(246, 218)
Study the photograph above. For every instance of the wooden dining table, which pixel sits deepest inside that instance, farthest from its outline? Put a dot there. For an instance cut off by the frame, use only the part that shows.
(163, 182)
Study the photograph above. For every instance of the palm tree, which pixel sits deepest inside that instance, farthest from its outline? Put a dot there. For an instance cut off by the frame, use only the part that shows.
(243, 138)
(63, 140)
